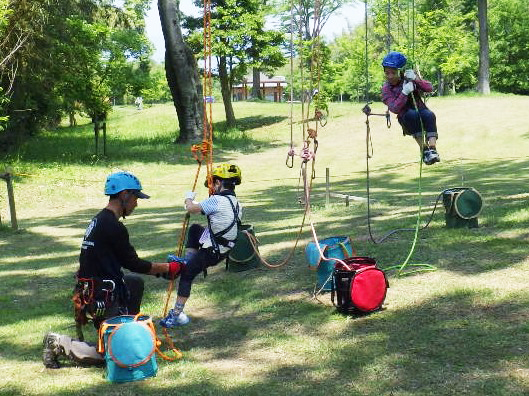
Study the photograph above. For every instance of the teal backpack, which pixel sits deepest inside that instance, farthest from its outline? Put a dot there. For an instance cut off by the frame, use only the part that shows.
(339, 247)
(129, 344)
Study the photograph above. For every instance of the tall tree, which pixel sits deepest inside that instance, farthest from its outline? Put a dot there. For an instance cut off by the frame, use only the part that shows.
(240, 41)
(509, 40)
(309, 15)
(71, 50)
(264, 52)
(182, 74)
(483, 80)
(304, 20)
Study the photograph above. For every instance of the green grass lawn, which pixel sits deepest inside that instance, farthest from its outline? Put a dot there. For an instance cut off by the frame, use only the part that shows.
(462, 329)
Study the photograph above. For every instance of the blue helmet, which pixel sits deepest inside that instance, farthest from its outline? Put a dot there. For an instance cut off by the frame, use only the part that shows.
(119, 181)
(394, 59)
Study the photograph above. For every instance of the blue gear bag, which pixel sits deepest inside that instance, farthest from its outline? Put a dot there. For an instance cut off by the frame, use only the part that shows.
(129, 344)
(339, 247)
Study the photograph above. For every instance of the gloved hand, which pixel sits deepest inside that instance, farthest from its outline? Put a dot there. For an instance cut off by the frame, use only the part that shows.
(408, 87)
(410, 75)
(173, 257)
(174, 270)
(191, 195)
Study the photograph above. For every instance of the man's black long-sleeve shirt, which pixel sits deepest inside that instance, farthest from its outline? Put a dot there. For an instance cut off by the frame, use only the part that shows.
(106, 249)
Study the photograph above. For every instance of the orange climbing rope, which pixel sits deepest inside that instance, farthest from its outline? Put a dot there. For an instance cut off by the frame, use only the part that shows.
(207, 140)
(202, 153)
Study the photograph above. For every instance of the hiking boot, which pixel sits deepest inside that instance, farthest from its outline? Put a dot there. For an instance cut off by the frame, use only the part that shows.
(430, 157)
(50, 351)
(173, 319)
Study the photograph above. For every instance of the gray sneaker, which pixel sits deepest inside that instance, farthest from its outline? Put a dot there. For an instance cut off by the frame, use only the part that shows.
(50, 351)
(173, 319)
(430, 157)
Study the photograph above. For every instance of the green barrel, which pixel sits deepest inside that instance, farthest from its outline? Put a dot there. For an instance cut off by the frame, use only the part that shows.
(462, 206)
(242, 257)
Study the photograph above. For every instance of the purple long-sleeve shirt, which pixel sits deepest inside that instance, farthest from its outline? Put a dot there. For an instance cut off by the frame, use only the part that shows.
(399, 103)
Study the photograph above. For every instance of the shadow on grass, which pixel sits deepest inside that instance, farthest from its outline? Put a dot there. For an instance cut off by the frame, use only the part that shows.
(252, 122)
(453, 341)
(450, 344)
(76, 145)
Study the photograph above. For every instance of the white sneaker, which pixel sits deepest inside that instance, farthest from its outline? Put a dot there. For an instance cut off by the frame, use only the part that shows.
(431, 157)
(173, 320)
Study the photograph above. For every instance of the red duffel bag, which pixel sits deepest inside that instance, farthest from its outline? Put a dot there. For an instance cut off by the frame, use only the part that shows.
(359, 285)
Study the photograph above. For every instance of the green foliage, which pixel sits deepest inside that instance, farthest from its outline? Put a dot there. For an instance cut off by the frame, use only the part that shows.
(440, 38)
(4, 100)
(349, 61)
(71, 56)
(314, 69)
(446, 45)
(509, 43)
(157, 89)
(239, 35)
(307, 17)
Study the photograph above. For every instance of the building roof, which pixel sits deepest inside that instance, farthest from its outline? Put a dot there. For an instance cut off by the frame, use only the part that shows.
(265, 81)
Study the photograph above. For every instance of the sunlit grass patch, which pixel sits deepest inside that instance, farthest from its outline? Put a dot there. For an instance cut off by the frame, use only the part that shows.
(459, 329)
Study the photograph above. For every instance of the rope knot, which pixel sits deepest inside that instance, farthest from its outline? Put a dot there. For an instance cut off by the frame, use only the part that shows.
(313, 134)
(306, 154)
(201, 150)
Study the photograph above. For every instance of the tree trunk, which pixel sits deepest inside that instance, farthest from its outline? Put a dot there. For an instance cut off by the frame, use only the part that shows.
(453, 86)
(441, 83)
(483, 79)
(182, 74)
(256, 84)
(225, 88)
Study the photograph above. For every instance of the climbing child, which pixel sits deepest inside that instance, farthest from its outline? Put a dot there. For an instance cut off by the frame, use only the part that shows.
(207, 246)
(396, 95)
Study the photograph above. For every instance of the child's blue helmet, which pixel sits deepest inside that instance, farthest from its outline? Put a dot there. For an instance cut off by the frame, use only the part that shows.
(394, 59)
(119, 181)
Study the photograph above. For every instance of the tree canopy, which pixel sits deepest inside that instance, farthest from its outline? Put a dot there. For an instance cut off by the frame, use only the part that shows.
(441, 38)
(58, 57)
(69, 54)
(240, 41)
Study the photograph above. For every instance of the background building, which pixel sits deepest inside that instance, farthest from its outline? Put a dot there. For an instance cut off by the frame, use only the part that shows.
(271, 88)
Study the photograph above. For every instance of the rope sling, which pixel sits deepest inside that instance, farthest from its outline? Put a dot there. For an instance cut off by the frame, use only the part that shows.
(310, 132)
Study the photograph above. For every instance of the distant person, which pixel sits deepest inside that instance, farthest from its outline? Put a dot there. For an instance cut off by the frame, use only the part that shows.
(139, 103)
(396, 95)
(207, 246)
(103, 290)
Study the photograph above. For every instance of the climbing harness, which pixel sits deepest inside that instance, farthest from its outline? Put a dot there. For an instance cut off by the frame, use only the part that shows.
(91, 299)
(217, 238)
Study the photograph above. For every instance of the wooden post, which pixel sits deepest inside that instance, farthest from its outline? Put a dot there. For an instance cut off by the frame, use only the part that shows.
(104, 138)
(11, 198)
(96, 132)
(327, 187)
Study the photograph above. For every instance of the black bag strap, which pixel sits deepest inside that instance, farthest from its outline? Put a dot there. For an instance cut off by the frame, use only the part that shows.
(332, 287)
(218, 238)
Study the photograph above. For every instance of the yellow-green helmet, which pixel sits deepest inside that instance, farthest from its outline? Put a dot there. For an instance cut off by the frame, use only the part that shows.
(227, 171)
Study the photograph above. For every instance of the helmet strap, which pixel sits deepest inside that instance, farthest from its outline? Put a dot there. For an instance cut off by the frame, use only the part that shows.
(218, 187)
(123, 204)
